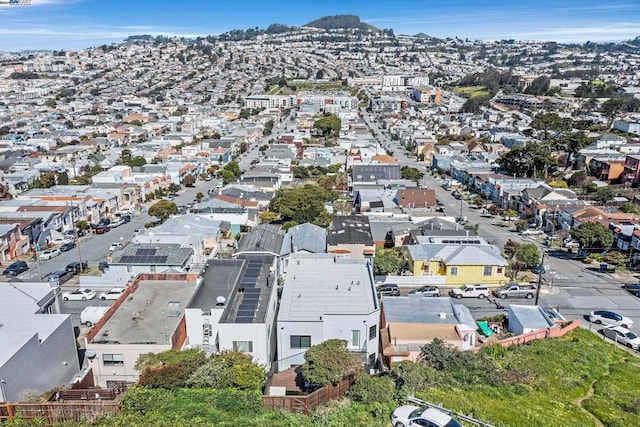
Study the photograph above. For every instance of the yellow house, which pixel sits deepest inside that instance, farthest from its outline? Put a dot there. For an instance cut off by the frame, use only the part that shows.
(459, 264)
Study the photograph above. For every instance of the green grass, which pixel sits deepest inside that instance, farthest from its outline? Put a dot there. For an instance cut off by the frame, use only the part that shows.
(562, 372)
(470, 91)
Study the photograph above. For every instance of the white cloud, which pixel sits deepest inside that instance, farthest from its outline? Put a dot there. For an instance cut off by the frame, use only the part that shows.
(610, 32)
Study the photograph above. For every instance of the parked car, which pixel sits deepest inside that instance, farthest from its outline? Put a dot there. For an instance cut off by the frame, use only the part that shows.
(532, 232)
(622, 336)
(103, 265)
(104, 222)
(49, 253)
(538, 269)
(117, 223)
(407, 415)
(426, 291)
(101, 230)
(605, 317)
(15, 268)
(82, 294)
(62, 240)
(111, 294)
(632, 288)
(92, 314)
(60, 276)
(67, 246)
(470, 291)
(74, 267)
(115, 246)
(388, 290)
(514, 290)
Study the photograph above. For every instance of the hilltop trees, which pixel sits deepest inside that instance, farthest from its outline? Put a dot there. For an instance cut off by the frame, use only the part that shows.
(593, 237)
(163, 209)
(328, 126)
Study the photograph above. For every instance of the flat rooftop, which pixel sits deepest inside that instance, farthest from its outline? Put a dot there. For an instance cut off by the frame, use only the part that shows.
(246, 283)
(425, 310)
(322, 284)
(149, 316)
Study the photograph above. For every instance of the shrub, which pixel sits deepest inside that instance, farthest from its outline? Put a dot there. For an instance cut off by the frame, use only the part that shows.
(368, 389)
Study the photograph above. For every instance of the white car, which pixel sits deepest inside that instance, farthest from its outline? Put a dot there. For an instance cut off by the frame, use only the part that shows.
(62, 240)
(115, 246)
(606, 317)
(407, 415)
(623, 336)
(470, 291)
(116, 223)
(111, 294)
(532, 232)
(49, 253)
(82, 294)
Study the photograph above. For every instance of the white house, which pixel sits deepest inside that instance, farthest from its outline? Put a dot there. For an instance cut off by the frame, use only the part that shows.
(148, 320)
(327, 297)
(38, 346)
(234, 307)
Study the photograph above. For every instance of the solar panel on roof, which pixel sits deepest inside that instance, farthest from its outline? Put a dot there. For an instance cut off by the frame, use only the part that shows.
(246, 313)
(251, 297)
(244, 319)
(252, 291)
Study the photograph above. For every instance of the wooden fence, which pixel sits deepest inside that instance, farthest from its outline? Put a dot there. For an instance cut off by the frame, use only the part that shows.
(310, 401)
(57, 412)
(560, 329)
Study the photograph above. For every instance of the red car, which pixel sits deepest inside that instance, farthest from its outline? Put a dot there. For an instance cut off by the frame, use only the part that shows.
(101, 230)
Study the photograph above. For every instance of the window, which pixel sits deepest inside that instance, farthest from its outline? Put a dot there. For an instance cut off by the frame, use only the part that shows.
(112, 360)
(152, 268)
(373, 332)
(498, 270)
(245, 346)
(355, 338)
(488, 270)
(129, 269)
(300, 341)
(453, 271)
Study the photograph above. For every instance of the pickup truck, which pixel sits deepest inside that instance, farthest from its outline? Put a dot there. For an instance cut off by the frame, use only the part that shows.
(514, 290)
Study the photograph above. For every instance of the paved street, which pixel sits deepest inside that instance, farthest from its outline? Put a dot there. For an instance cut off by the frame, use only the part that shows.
(572, 287)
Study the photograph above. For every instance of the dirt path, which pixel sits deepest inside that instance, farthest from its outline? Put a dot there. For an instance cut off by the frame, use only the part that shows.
(579, 401)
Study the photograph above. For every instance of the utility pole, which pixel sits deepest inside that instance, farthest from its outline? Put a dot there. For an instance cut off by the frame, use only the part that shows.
(75, 235)
(540, 278)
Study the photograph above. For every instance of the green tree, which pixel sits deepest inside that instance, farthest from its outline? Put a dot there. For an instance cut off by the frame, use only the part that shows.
(604, 194)
(528, 253)
(301, 204)
(475, 103)
(592, 237)
(538, 86)
(510, 248)
(574, 142)
(510, 213)
(268, 216)
(51, 103)
(137, 161)
(323, 219)
(532, 160)
(163, 209)
(550, 122)
(612, 107)
(199, 196)
(287, 225)
(329, 362)
(189, 180)
(387, 261)
(233, 369)
(62, 178)
(227, 176)
(168, 369)
(328, 125)
(82, 225)
(412, 174)
(244, 114)
(234, 168)
(368, 389)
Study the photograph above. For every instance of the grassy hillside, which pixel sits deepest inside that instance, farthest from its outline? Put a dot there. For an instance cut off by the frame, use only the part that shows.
(578, 380)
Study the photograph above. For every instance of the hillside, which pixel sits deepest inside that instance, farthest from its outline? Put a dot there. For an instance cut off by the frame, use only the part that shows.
(341, 21)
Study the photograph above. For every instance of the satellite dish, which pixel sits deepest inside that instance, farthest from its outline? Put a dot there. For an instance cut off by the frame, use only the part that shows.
(221, 300)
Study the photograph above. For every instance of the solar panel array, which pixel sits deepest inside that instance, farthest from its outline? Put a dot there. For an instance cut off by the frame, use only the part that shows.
(146, 252)
(144, 259)
(251, 294)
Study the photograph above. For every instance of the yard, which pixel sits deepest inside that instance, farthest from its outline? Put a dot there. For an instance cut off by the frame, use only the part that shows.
(471, 91)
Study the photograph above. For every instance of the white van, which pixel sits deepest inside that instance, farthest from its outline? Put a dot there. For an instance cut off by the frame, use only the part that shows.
(90, 315)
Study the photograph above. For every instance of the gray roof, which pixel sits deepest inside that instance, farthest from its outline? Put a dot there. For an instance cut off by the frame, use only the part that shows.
(375, 172)
(191, 224)
(234, 279)
(426, 310)
(458, 254)
(321, 284)
(263, 238)
(304, 237)
(152, 254)
(247, 192)
(350, 229)
(530, 316)
(150, 315)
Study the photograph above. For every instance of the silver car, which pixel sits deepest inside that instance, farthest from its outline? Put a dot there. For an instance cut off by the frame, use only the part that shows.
(622, 336)
(605, 317)
(426, 291)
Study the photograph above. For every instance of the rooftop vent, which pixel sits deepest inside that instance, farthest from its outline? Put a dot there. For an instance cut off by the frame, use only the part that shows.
(442, 315)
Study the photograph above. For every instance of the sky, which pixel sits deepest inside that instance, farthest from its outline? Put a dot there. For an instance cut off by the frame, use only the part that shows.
(77, 24)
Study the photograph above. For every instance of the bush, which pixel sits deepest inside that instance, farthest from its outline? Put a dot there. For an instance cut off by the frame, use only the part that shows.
(368, 389)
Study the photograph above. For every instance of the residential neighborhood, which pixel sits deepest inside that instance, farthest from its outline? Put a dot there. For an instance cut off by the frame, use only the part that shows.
(271, 193)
